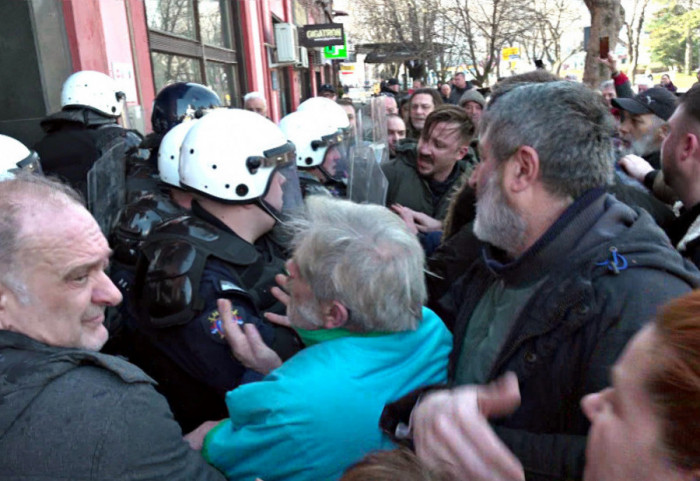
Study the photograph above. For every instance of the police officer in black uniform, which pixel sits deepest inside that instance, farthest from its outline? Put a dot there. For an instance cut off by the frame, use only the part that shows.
(321, 132)
(16, 157)
(85, 128)
(241, 168)
(137, 220)
(175, 103)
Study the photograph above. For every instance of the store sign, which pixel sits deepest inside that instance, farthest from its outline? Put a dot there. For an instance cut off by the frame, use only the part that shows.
(336, 52)
(322, 35)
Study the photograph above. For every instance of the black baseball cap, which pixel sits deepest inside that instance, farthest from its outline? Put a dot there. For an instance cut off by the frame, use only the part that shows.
(326, 88)
(657, 101)
(393, 81)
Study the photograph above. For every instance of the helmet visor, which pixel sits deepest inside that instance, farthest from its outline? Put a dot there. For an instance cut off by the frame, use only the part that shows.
(31, 163)
(335, 161)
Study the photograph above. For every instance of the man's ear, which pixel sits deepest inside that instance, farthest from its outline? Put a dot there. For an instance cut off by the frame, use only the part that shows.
(334, 315)
(462, 151)
(690, 145)
(522, 169)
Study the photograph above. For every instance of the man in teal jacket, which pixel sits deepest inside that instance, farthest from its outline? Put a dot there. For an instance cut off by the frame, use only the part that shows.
(355, 294)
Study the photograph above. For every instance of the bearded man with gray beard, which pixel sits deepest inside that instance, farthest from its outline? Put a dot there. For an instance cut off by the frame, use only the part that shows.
(567, 276)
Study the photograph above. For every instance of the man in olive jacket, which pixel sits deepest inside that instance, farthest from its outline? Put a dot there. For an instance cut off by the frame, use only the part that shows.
(422, 176)
(69, 412)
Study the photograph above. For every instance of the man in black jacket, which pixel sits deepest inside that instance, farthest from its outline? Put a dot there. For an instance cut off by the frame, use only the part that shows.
(568, 274)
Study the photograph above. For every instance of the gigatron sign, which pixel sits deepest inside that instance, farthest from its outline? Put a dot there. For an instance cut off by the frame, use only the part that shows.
(322, 35)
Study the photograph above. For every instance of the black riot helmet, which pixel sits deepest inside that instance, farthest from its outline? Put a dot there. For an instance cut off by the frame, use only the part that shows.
(179, 101)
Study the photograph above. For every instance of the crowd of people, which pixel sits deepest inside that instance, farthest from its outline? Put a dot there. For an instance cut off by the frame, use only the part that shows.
(221, 300)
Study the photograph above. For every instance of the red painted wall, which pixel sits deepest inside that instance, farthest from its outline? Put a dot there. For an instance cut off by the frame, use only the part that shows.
(85, 35)
(136, 11)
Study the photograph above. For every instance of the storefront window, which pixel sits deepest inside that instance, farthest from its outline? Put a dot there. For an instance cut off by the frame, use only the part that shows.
(220, 78)
(214, 19)
(172, 16)
(168, 68)
(195, 41)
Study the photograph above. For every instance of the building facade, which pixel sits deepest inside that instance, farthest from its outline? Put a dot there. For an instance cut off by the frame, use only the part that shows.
(233, 46)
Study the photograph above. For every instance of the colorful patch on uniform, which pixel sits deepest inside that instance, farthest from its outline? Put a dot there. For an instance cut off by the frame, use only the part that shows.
(216, 324)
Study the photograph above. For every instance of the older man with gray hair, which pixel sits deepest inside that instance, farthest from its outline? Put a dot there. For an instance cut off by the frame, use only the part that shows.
(255, 102)
(69, 412)
(568, 275)
(356, 291)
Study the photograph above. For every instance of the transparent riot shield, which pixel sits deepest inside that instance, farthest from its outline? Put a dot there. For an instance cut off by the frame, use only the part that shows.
(371, 121)
(366, 181)
(106, 186)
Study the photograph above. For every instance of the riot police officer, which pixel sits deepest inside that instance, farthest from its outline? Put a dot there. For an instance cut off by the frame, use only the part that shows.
(16, 156)
(84, 128)
(175, 103)
(242, 170)
(321, 132)
(167, 200)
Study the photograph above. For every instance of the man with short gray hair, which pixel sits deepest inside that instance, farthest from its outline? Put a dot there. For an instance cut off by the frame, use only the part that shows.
(356, 291)
(69, 412)
(255, 102)
(568, 275)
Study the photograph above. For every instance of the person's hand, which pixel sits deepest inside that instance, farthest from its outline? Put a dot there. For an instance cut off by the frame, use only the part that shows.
(246, 343)
(609, 62)
(452, 434)
(635, 167)
(406, 215)
(196, 438)
(417, 221)
(281, 295)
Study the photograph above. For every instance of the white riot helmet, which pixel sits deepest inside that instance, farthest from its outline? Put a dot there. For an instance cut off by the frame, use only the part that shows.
(231, 155)
(328, 108)
(93, 90)
(312, 135)
(14, 156)
(169, 153)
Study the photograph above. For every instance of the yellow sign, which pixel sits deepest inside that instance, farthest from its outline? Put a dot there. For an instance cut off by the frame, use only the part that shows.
(510, 53)
(347, 68)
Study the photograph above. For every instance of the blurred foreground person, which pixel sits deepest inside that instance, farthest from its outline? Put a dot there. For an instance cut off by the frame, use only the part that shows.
(69, 412)
(642, 427)
(356, 292)
(396, 465)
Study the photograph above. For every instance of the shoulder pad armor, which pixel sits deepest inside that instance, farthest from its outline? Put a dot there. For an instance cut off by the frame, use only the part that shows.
(172, 265)
(167, 282)
(136, 221)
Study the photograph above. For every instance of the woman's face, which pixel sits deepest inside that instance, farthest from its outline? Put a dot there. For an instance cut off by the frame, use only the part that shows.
(624, 439)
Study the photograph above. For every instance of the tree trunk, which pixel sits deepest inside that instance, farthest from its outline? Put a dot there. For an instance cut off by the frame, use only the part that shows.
(687, 64)
(606, 20)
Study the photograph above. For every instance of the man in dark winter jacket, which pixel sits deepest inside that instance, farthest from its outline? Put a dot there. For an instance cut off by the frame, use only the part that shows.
(69, 412)
(568, 275)
(459, 86)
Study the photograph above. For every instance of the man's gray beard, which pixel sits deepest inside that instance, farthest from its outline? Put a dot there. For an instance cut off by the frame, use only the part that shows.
(496, 222)
(304, 315)
(643, 146)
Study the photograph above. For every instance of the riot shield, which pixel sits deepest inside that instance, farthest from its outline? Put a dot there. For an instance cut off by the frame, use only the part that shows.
(366, 181)
(106, 185)
(371, 120)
